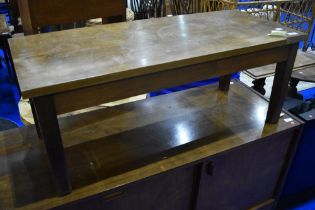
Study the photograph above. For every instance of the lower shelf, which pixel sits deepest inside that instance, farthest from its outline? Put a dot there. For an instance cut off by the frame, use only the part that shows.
(165, 143)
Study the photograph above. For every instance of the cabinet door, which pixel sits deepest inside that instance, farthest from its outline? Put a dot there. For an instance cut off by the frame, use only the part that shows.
(170, 191)
(244, 177)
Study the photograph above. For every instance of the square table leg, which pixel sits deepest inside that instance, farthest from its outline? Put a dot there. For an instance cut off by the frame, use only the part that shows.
(35, 118)
(224, 82)
(45, 112)
(280, 85)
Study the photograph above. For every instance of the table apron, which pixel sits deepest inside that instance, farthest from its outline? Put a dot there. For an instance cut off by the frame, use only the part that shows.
(94, 95)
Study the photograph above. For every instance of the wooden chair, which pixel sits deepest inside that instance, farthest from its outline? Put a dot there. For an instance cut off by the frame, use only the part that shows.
(144, 9)
(36, 14)
(304, 72)
(14, 15)
(296, 15)
(180, 7)
(269, 9)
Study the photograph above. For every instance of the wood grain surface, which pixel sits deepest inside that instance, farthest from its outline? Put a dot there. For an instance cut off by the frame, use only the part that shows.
(112, 147)
(67, 60)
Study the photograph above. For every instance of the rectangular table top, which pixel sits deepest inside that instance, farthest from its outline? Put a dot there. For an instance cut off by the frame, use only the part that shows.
(67, 60)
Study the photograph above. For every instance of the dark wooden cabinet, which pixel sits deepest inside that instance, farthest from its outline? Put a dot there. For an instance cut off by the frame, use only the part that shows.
(173, 190)
(239, 179)
(200, 149)
(245, 177)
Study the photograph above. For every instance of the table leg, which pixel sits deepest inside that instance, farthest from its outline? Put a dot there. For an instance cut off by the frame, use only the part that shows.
(35, 118)
(224, 83)
(280, 85)
(49, 129)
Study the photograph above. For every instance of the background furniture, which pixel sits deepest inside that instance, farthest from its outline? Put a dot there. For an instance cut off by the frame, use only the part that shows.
(186, 150)
(304, 60)
(15, 15)
(5, 9)
(144, 9)
(297, 15)
(38, 13)
(269, 9)
(5, 34)
(180, 7)
(305, 73)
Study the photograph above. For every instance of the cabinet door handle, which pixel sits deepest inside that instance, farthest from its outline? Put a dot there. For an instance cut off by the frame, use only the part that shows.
(113, 196)
(209, 168)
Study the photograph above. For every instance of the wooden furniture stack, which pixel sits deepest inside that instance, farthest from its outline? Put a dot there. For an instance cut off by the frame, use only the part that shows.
(181, 151)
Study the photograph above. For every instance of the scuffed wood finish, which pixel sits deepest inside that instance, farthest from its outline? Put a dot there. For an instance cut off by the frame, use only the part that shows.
(67, 60)
(113, 147)
(253, 175)
(38, 13)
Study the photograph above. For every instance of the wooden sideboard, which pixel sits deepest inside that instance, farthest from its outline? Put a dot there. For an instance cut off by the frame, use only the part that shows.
(196, 149)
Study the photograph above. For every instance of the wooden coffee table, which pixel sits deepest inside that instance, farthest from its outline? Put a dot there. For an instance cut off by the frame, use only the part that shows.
(75, 69)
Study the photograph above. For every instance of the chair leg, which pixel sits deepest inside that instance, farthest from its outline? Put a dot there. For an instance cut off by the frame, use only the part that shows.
(259, 85)
(7, 62)
(1, 66)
